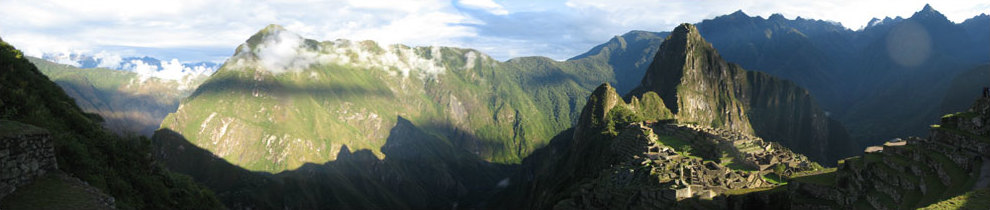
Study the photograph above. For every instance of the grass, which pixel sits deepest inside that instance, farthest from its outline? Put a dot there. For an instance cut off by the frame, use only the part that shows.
(774, 178)
(935, 189)
(872, 158)
(737, 166)
(825, 177)
(677, 144)
(884, 199)
(976, 199)
(53, 191)
(862, 204)
(909, 199)
(11, 127)
(962, 115)
(755, 190)
(963, 133)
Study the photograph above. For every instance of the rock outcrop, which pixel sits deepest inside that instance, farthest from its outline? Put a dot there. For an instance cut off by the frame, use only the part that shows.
(701, 88)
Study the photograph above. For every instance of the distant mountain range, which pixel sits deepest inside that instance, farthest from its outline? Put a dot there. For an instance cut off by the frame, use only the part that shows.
(883, 81)
(879, 81)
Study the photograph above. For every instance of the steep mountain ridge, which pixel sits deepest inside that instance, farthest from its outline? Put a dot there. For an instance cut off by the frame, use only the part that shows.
(856, 75)
(283, 100)
(699, 87)
(629, 55)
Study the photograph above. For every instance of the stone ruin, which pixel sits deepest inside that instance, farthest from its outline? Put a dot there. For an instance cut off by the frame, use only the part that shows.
(954, 154)
(26, 152)
(688, 177)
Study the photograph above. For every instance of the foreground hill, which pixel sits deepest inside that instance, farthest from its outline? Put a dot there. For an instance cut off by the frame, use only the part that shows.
(120, 167)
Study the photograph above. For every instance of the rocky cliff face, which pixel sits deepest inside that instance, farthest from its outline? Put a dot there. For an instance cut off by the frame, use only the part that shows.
(701, 88)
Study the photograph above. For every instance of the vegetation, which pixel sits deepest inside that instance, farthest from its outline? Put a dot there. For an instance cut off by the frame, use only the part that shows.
(120, 166)
(53, 191)
(821, 177)
(976, 199)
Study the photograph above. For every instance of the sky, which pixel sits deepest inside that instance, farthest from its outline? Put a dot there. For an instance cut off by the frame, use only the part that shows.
(210, 30)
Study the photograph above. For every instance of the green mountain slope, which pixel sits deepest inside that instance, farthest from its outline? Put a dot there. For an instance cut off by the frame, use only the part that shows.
(121, 167)
(128, 103)
(628, 56)
(283, 100)
(699, 87)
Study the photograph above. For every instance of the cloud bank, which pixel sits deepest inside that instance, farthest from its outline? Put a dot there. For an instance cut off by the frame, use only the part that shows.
(559, 29)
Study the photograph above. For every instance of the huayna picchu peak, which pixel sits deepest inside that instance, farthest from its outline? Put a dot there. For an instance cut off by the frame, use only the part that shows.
(701, 88)
(494, 105)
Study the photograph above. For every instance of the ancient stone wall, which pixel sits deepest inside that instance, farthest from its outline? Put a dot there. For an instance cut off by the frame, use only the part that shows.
(26, 152)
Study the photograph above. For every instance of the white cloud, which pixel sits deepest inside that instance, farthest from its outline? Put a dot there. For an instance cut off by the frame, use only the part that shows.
(214, 28)
(172, 70)
(487, 5)
(54, 25)
(108, 60)
(284, 51)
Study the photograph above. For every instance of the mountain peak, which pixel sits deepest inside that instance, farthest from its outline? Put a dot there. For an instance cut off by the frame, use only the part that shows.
(928, 8)
(685, 29)
(928, 12)
(272, 28)
(685, 35)
(778, 17)
(738, 13)
(268, 31)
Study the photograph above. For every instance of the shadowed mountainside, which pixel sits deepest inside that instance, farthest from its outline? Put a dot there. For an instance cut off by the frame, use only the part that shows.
(419, 171)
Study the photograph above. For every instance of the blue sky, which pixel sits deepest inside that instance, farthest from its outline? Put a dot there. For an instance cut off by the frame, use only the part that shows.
(205, 30)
